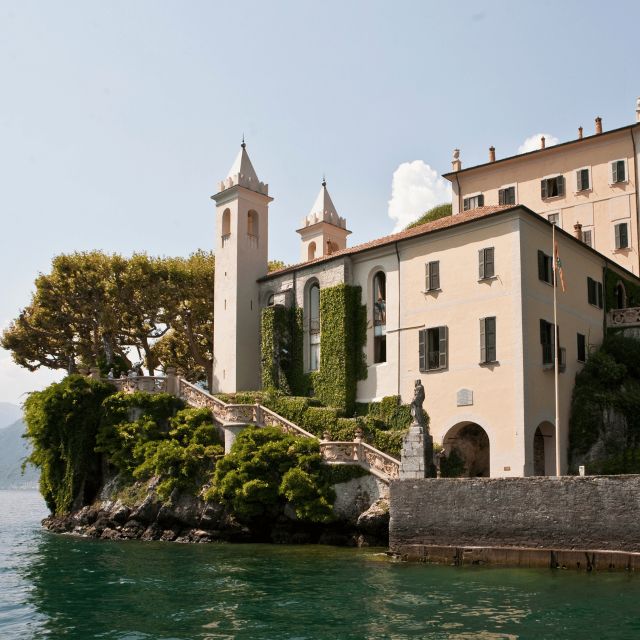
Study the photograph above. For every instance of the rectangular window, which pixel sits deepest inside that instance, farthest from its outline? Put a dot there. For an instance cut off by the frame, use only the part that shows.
(485, 263)
(618, 171)
(552, 187)
(432, 276)
(487, 340)
(583, 183)
(545, 267)
(582, 348)
(433, 344)
(587, 237)
(622, 236)
(547, 340)
(507, 195)
(553, 218)
(473, 202)
(594, 293)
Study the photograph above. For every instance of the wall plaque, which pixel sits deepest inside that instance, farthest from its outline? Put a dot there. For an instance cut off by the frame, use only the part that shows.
(465, 397)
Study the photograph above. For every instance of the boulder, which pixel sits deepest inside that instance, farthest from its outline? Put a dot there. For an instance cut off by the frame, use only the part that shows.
(147, 511)
(375, 520)
(181, 509)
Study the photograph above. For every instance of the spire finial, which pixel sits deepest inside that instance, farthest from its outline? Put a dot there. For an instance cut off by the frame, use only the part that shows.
(243, 145)
(324, 180)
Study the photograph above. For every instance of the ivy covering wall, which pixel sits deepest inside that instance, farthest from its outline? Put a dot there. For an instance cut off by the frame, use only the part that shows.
(632, 290)
(343, 335)
(604, 430)
(281, 350)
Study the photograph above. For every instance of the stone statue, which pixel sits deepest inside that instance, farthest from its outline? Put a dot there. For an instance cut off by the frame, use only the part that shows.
(416, 406)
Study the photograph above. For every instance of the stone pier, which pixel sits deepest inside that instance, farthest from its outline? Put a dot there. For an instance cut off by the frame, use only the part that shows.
(417, 454)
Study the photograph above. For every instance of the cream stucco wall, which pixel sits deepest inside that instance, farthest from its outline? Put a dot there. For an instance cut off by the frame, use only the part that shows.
(597, 209)
(241, 258)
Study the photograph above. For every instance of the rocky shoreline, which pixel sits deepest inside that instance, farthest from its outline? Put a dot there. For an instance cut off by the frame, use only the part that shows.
(185, 518)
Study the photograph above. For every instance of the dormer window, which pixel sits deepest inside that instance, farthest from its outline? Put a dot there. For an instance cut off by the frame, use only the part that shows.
(473, 202)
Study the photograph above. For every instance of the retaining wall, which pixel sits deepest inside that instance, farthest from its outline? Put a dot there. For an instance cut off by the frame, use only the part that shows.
(486, 519)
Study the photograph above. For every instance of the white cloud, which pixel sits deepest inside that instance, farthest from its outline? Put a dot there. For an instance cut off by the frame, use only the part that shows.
(415, 188)
(533, 142)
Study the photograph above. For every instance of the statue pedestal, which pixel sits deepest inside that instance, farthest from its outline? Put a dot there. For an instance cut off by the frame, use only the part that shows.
(417, 454)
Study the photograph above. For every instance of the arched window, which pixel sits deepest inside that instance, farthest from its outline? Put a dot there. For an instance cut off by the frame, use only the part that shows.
(621, 296)
(311, 251)
(271, 300)
(314, 327)
(252, 223)
(380, 317)
(226, 224)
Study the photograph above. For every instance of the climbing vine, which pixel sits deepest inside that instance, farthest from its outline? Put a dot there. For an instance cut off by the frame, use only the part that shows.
(281, 350)
(62, 424)
(604, 430)
(632, 290)
(343, 335)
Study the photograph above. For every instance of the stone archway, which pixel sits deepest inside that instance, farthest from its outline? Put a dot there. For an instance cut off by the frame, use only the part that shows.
(544, 450)
(470, 442)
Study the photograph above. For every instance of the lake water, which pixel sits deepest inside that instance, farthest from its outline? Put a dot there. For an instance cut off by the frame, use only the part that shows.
(62, 587)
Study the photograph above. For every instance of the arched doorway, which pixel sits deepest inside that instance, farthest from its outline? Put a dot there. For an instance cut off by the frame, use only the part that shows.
(468, 442)
(544, 450)
(620, 296)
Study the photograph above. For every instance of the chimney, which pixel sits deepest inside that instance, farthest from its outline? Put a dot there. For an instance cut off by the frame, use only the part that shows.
(638, 110)
(577, 231)
(542, 142)
(492, 154)
(579, 133)
(598, 125)
(455, 163)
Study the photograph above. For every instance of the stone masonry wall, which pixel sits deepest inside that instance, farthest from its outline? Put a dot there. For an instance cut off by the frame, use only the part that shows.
(597, 512)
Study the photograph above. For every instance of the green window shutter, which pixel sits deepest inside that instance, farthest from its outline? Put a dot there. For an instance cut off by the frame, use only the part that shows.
(489, 270)
(621, 172)
(481, 200)
(501, 196)
(560, 181)
(481, 264)
(590, 299)
(600, 300)
(465, 204)
(483, 341)
(617, 232)
(614, 172)
(422, 349)
(444, 340)
(434, 275)
(543, 188)
(542, 273)
(624, 239)
(490, 339)
(426, 276)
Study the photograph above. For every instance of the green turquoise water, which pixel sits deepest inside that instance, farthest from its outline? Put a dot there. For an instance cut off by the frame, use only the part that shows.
(62, 587)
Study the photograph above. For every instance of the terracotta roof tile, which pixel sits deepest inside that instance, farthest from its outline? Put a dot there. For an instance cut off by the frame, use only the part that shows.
(428, 227)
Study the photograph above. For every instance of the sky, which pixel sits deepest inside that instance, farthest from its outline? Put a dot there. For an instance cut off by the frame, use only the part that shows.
(118, 119)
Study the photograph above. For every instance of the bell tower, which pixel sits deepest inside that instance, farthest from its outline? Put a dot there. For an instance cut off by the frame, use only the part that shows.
(242, 210)
(323, 231)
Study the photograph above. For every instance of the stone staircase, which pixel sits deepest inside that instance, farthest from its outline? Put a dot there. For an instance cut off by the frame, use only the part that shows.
(232, 418)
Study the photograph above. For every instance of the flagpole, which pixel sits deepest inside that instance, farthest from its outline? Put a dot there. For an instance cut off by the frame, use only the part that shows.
(556, 345)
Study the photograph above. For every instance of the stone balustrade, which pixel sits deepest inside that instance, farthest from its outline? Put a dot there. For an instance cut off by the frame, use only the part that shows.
(624, 317)
(233, 417)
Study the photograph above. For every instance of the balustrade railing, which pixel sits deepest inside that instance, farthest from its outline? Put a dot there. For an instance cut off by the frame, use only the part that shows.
(378, 463)
(624, 317)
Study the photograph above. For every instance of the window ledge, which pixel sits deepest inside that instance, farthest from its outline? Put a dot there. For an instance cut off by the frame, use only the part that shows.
(489, 364)
(440, 369)
(615, 184)
(488, 279)
(552, 198)
(551, 367)
(622, 249)
(427, 291)
(583, 191)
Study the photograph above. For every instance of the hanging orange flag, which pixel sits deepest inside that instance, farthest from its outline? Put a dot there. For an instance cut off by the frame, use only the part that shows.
(558, 266)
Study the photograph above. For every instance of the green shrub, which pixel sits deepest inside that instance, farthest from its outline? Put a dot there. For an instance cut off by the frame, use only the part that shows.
(338, 473)
(62, 422)
(265, 470)
(292, 408)
(317, 420)
(389, 441)
(435, 213)
(452, 465)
